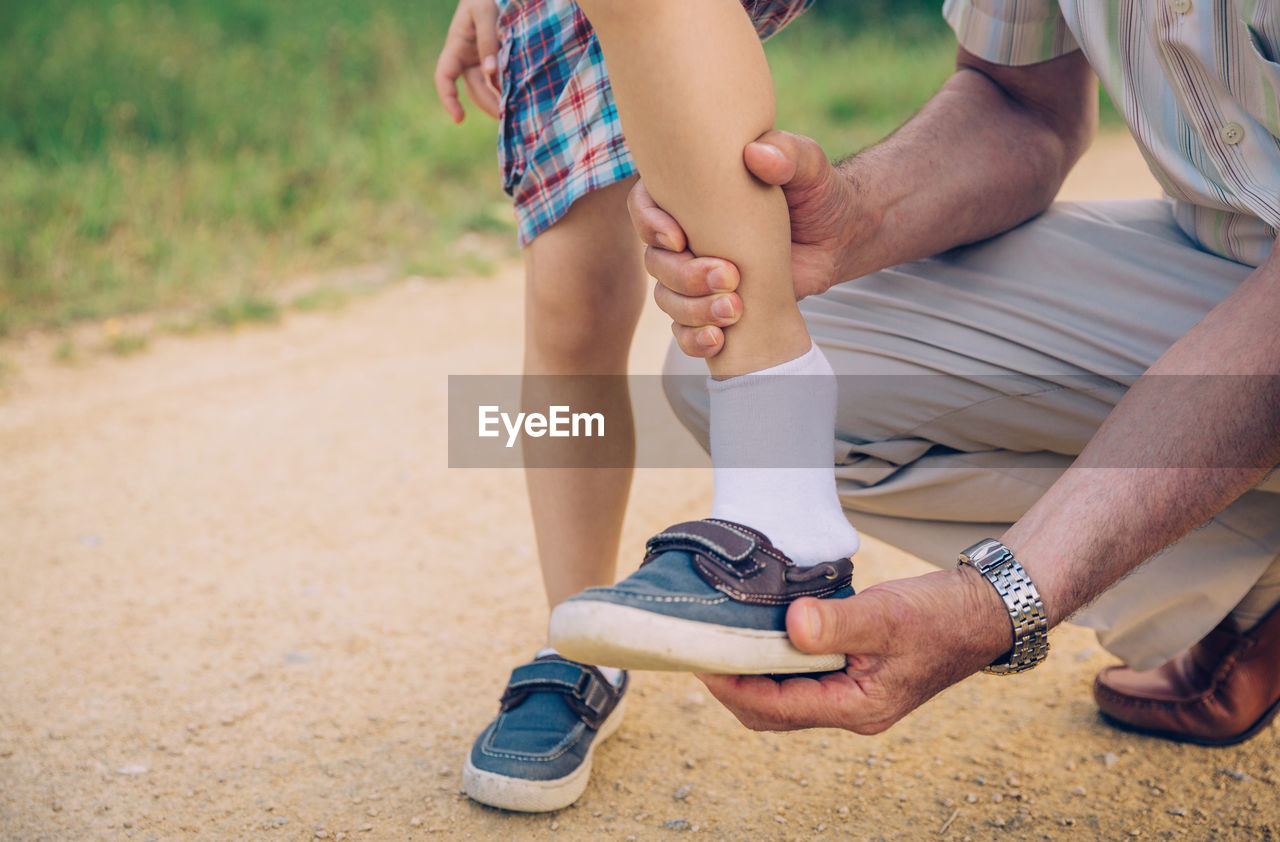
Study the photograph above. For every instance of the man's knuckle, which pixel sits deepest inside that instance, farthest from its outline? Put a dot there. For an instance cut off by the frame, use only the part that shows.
(692, 278)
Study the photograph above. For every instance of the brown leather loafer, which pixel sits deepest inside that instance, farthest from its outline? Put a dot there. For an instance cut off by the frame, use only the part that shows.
(1220, 692)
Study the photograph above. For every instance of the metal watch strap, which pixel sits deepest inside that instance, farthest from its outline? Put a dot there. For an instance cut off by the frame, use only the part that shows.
(1026, 611)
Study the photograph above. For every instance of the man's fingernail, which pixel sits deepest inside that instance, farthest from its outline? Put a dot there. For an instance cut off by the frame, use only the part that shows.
(811, 619)
(722, 308)
(490, 64)
(707, 338)
(664, 242)
(718, 279)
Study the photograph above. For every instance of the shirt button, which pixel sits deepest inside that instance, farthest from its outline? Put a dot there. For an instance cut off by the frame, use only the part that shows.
(1231, 133)
(1180, 6)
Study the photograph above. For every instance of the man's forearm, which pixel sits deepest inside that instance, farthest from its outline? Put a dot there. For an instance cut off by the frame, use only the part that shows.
(1192, 435)
(985, 154)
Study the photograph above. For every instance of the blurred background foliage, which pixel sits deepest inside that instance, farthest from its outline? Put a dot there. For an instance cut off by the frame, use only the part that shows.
(190, 152)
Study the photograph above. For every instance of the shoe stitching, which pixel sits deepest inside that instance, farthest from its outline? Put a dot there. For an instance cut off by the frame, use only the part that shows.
(707, 544)
(770, 551)
(650, 598)
(1195, 707)
(779, 600)
(752, 538)
(542, 682)
(571, 740)
(1201, 700)
(573, 691)
(728, 560)
(545, 674)
(729, 593)
(757, 544)
(766, 599)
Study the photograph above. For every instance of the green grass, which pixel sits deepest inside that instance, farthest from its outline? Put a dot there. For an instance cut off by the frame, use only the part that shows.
(192, 155)
(169, 155)
(849, 87)
(66, 352)
(244, 310)
(127, 344)
(321, 300)
(849, 90)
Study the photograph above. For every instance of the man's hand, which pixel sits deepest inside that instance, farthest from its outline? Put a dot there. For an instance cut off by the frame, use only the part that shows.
(471, 52)
(905, 641)
(698, 292)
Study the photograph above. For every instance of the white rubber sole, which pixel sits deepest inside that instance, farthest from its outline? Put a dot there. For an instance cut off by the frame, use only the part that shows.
(631, 638)
(527, 796)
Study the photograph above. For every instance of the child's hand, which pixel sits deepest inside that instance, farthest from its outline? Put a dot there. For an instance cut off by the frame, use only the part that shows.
(470, 51)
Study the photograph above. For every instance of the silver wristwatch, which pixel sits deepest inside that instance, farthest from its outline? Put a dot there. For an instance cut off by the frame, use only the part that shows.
(1030, 626)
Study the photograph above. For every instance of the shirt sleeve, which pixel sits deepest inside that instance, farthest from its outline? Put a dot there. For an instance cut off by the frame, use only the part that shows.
(1011, 32)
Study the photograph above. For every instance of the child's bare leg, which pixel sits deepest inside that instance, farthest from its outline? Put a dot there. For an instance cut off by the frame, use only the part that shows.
(585, 287)
(693, 88)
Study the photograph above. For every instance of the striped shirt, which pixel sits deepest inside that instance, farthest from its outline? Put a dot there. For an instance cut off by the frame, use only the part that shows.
(1197, 81)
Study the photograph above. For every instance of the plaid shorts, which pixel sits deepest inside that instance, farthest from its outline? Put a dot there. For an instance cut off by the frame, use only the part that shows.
(559, 137)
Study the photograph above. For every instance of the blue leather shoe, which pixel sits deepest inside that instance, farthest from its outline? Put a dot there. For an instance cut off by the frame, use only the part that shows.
(711, 596)
(536, 756)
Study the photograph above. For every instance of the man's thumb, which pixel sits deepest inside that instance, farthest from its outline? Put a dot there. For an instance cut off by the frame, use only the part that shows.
(825, 626)
(791, 160)
(771, 158)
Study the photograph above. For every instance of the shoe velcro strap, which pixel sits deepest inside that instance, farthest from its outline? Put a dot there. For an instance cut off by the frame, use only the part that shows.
(731, 544)
(743, 563)
(585, 691)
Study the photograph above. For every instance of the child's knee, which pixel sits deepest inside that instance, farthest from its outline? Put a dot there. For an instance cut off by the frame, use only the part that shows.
(574, 330)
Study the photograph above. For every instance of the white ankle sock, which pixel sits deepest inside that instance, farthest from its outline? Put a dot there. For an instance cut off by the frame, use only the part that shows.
(612, 674)
(772, 453)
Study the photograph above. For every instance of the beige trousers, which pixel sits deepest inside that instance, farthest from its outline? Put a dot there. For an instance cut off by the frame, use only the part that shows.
(969, 381)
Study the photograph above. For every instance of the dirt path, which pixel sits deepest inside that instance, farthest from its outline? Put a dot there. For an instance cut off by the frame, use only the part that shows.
(243, 597)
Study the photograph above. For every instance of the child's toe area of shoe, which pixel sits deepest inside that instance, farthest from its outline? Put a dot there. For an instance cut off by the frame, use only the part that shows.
(536, 755)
